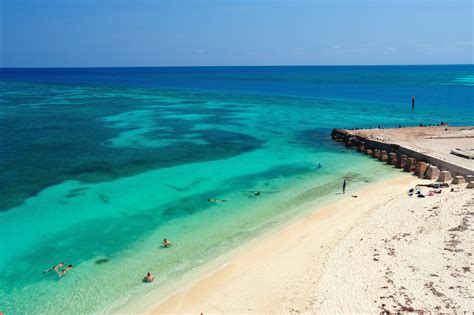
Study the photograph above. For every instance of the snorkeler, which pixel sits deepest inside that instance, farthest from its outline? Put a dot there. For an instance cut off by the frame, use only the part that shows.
(55, 268)
(68, 268)
(257, 193)
(216, 200)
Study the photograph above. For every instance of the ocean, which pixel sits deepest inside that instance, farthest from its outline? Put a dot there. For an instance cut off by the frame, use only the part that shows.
(99, 165)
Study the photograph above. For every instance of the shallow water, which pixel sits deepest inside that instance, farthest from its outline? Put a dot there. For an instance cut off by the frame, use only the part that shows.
(97, 166)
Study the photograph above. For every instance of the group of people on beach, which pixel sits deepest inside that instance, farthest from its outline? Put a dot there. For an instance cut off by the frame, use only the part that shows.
(60, 271)
(437, 190)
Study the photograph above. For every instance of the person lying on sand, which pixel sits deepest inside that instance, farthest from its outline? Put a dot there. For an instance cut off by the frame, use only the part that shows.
(55, 268)
(216, 200)
(62, 273)
(166, 243)
(149, 277)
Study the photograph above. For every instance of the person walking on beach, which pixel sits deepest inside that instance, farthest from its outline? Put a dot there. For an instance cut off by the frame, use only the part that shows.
(344, 186)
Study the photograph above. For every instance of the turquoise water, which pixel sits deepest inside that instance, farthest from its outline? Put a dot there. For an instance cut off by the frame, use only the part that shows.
(105, 163)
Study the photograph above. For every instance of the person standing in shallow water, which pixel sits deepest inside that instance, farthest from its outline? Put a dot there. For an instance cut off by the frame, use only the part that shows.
(344, 186)
(166, 243)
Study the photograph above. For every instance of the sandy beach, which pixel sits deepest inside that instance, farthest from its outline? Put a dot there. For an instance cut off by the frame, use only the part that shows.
(412, 254)
(380, 251)
(236, 157)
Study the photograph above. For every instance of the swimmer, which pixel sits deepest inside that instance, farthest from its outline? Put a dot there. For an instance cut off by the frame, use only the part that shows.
(216, 200)
(257, 193)
(55, 268)
(149, 277)
(69, 268)
(166, 243)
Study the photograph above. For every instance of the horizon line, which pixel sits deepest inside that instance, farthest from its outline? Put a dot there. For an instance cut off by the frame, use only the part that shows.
(237, 66)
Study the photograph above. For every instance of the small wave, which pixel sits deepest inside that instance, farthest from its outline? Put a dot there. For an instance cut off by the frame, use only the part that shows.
(467, 80)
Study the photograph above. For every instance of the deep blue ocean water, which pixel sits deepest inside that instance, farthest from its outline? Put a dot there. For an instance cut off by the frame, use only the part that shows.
(102, 163)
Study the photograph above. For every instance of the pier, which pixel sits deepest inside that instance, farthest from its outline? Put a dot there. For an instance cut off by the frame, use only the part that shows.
(440, 153)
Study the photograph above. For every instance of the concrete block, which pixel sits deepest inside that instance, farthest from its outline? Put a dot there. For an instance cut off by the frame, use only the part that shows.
(470, 178)
(432, 172)
(368, 152)
(410, 166)
(376, 153)
(421, 168)
(392, 158)
(383, 155)
(444, 176)
(402, 161)
(457, 180)
(470, 185)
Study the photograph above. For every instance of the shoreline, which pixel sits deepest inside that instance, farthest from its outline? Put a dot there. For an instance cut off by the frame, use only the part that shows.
(272, 271)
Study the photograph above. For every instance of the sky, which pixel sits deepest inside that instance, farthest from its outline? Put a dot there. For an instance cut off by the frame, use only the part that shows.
(107, 33)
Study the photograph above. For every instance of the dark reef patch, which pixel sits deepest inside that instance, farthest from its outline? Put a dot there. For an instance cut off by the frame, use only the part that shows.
(317, 138)
(80, 189)
(72, 195)
(103, 198)
(101, 261)
(46, 144)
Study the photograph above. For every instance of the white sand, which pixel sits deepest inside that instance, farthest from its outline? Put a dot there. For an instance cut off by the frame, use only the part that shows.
(412, 254)
(326, 263)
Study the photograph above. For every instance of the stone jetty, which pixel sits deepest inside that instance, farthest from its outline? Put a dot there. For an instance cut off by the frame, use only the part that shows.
(423, 151)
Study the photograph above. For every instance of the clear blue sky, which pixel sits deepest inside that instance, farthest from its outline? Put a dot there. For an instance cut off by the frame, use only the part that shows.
(67, 33)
